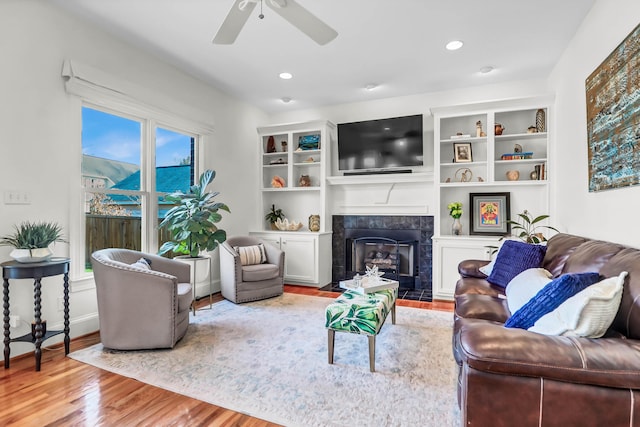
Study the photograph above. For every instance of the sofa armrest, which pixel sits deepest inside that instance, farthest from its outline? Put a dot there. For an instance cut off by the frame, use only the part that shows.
(471, 268)
(607, 362)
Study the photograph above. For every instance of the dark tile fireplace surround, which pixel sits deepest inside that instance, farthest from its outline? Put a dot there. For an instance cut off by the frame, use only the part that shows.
(419, 229)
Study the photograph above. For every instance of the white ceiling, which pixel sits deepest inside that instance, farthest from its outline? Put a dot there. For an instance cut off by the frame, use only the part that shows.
(398, 44)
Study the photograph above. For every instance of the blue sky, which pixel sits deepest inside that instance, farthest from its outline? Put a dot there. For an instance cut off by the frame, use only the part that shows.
(117, 138)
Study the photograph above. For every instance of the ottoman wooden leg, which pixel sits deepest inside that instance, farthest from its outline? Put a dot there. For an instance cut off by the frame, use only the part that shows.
(372, 353)
(331, 335)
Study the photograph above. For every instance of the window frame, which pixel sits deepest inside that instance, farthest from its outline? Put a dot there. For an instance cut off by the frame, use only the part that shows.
(150, 119)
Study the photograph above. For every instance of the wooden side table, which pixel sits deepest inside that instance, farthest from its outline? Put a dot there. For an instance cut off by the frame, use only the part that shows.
(36, 271)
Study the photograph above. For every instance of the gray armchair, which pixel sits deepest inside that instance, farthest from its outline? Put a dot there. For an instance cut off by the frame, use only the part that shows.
(141, 307)
(243, 283)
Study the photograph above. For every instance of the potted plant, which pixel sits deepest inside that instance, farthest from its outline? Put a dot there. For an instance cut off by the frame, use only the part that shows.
(273, 216)
(455, 211)
(192, 222)
(529, 228)
(31, 240)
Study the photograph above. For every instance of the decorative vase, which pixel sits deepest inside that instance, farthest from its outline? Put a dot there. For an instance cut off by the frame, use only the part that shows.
(31, 255)
(314, 222)
(541, 124)
(456, 228)
(513, 175)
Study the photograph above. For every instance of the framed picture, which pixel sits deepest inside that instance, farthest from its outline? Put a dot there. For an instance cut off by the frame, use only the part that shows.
(490, 213)
(462, 152)
(613, 118)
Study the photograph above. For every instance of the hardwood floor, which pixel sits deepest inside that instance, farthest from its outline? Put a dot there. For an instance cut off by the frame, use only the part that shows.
(69, 393)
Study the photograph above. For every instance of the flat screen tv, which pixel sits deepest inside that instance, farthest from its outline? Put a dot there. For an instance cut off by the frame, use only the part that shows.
(384, 145)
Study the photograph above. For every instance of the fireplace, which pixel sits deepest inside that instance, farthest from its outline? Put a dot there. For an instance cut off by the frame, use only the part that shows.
(400, 246)
(392, 252)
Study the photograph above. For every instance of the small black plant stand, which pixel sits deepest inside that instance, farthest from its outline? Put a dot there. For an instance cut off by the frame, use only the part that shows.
(36, 271)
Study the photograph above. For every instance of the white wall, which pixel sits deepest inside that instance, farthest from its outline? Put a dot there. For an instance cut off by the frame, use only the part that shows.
(611, 214)
(40, 144)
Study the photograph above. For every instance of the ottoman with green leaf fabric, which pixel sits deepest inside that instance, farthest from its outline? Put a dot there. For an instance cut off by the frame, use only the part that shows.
(360, 314)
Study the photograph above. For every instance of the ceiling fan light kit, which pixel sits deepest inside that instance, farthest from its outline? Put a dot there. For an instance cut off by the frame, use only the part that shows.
(290, 10)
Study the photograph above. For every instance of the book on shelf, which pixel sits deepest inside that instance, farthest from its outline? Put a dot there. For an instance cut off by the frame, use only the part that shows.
(541, 171)
(516, 156)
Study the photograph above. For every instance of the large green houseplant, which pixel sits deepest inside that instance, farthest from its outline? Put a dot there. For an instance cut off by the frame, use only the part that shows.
(31, 240)
(192, 222)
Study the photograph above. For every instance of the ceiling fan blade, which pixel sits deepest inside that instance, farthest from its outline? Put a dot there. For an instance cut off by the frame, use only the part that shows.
(233, 23)
(304, 20)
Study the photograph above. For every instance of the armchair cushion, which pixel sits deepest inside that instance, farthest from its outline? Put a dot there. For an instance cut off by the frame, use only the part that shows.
(258, 272)
(185, 296)
(251, 255)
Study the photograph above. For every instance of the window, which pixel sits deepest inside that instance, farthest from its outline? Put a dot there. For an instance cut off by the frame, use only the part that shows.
(128, 165)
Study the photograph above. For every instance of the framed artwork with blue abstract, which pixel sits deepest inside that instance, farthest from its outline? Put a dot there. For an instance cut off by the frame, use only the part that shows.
(613, 117)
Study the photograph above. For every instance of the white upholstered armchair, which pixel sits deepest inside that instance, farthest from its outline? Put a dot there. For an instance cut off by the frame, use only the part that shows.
(253, 276)
(143, 299)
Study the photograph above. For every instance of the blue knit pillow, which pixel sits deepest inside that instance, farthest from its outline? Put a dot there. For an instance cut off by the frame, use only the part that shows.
(550, 297)
(513, 258)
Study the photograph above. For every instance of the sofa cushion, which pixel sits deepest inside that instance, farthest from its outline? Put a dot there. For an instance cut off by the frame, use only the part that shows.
(513, 258)
(485, 307)
(586, 314)
(250, 255)
(524, 286)
(549, 298)
(259, 272)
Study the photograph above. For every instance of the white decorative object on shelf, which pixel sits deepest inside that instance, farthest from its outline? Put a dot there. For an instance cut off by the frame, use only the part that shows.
(363, 288)
(285, 225)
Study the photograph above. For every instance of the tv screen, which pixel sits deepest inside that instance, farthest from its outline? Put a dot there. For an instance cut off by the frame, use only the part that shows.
(384, 144)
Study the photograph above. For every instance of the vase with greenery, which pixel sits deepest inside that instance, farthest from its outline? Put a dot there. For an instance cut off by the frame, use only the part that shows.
(192, 221)
(455, 211)
(528, 227)
(274, 215)
(31, 240)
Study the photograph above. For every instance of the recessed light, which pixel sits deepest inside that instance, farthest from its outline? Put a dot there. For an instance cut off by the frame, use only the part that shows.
(370, 86)
(486, 69)
(285, 99)
(286, 76)
(454, 45)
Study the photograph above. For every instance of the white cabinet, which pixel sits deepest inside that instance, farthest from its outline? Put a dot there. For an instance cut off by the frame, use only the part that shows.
(307, 255)
(448, 252)
(471, 160)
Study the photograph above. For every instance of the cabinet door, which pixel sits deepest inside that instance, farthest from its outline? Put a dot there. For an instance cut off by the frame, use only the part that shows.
(448, 254)
(272, 240)
(300, 258)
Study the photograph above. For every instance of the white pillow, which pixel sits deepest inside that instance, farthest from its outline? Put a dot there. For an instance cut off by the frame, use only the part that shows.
(251, 255)
(588, 313)
(525, 286)
(141, 263)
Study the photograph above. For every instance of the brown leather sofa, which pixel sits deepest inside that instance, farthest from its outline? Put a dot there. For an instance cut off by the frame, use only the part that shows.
(513, 377)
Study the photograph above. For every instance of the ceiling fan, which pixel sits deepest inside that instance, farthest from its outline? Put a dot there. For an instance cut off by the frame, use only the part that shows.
(290, 10)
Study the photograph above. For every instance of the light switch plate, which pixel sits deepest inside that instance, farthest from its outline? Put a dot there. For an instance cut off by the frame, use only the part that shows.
(17, 198)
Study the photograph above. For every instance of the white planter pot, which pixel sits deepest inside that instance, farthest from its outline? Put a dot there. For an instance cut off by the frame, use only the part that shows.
(31, 255)
(200, 266)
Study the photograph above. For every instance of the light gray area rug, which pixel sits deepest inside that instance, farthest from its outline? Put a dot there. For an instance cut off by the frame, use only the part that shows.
(268, 359)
